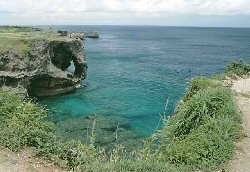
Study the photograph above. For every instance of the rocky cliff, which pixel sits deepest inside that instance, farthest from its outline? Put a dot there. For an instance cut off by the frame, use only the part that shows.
(44, 69)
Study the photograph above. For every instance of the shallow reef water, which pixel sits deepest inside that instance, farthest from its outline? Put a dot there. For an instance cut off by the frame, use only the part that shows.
(105, 130)
(132, 70)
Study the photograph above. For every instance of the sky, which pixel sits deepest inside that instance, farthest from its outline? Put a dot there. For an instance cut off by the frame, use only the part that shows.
(217, 13)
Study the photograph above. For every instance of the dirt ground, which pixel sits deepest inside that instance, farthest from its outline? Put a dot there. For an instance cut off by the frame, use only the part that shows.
(24, 162)
(241, 162)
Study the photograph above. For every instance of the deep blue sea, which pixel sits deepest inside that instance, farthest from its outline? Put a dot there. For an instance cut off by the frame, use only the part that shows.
(133, 69)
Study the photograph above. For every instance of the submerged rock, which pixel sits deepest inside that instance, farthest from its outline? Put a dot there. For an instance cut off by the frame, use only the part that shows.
(108, 130)
(43, 70)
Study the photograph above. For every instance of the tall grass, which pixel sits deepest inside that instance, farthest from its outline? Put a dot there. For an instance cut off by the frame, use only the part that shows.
(203, 132)
(237, 68)
(21, 122)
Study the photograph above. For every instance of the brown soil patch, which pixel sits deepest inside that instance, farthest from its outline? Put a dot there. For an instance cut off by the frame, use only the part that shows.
(24, 162)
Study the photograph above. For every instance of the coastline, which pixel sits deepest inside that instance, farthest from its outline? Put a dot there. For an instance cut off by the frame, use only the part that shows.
(179, 143)
(208, 112)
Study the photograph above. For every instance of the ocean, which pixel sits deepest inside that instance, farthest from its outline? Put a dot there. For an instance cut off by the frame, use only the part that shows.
(132, 70)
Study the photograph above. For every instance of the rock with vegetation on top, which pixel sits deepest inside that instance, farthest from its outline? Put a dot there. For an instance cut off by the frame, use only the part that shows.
(38, 61)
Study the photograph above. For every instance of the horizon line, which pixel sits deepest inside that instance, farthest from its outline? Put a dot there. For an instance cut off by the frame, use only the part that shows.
(129, 25)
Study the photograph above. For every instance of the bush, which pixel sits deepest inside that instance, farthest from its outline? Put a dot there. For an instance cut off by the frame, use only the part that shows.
(239, 68)
(197, 84)
(71, 154)
(203, 132)
(21, 123)
(130, 166)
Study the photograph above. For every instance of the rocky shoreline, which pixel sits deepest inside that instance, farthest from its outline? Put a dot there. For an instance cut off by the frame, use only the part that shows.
(43, 70)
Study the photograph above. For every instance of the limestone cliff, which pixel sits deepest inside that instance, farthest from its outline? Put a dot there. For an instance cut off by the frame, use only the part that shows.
(43, 70)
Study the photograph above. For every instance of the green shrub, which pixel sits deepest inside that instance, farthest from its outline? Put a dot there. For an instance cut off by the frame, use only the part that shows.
(130, 166)
(71, 154)
(196, 85)
(219, 77)
(203, 132)
(21, 122)
(206, 102)
(238, 68)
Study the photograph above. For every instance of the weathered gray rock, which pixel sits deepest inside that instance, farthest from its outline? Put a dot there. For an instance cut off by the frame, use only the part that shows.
(82, 35)
(43, 70)
(91, 34)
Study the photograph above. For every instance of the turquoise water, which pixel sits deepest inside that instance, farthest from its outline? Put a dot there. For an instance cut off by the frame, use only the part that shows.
(132, 70)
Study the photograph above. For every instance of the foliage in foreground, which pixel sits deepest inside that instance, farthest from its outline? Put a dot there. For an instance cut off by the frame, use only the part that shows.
(200, 136)
(22, 124)
(203, 132)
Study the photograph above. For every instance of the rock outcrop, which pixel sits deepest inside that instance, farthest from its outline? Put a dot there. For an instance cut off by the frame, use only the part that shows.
(82, 35)
(91, 34)
(44, 71)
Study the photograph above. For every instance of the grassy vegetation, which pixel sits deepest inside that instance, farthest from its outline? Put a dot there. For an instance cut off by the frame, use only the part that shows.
(20, 39)
(238, 68)
(21, 123)
(200, 136)
(234, 69)
(203, 132)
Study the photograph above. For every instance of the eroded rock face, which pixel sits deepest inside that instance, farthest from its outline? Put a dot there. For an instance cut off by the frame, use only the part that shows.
(44, 70)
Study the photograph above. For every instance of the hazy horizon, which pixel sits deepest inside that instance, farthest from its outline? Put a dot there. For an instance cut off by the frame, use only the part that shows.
(194, 13)
(125, 25)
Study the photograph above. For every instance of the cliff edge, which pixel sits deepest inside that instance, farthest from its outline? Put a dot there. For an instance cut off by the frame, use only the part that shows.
(39, 62)
(241, 161)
